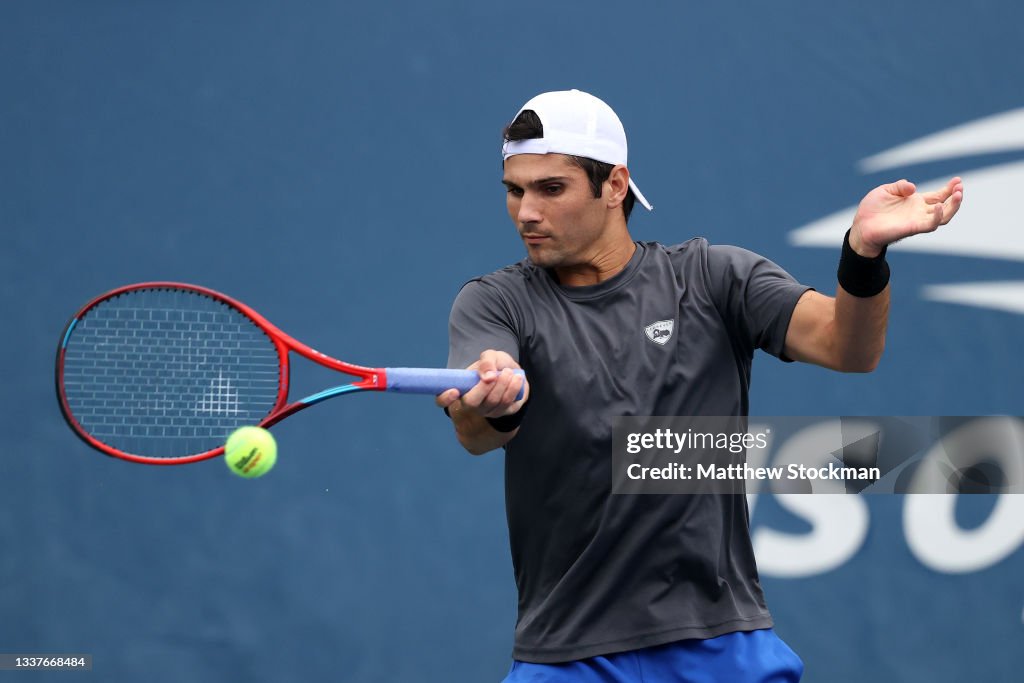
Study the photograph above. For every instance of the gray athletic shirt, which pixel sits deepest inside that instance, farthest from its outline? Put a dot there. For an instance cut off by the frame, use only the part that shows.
(599, 573)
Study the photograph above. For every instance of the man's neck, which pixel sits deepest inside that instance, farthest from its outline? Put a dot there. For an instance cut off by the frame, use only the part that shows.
(603, 265)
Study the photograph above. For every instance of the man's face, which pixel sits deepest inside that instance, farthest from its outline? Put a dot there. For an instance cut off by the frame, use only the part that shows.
(554, 209)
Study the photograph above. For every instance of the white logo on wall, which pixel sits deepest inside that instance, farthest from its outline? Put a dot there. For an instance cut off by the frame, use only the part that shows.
(660, 332)
(988, 225)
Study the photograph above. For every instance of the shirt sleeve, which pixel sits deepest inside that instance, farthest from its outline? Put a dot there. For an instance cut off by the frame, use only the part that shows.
(480, 319)
(755, 297)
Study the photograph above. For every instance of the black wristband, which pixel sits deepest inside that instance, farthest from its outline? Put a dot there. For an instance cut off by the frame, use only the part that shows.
(505, 423)
(861, 276)
(508, 423)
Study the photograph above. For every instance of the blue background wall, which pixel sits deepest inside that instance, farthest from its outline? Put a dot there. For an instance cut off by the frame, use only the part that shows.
(336, 166)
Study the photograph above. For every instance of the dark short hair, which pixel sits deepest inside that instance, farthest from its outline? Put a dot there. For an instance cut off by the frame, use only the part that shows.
(528, 126)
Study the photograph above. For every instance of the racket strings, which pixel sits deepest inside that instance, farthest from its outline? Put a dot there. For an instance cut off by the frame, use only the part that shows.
(166, 373)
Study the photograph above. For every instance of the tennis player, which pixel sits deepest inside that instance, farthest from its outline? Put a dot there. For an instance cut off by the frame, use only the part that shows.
(640, 587)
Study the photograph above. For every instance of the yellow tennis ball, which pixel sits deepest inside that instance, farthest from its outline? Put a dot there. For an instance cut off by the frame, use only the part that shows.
(250, 452)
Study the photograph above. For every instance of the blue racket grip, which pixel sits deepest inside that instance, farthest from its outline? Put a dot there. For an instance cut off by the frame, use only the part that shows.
(434, 380)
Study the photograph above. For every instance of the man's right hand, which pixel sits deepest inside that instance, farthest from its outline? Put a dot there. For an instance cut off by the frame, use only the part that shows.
(493, 396)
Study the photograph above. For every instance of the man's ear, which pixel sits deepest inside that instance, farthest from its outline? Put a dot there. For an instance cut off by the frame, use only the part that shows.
(616, 187)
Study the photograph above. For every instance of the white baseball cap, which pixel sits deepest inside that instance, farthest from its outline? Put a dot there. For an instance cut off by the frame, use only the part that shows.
(578, 124)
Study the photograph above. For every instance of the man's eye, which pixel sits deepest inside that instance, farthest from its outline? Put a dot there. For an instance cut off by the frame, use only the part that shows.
(552, 189)
(515, 191)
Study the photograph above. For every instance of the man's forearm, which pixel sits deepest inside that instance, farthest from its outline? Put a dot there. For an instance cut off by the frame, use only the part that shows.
(860, 324)
(862, 305)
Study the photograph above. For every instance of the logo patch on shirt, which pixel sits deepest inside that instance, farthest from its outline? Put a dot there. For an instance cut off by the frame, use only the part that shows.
(660, 332)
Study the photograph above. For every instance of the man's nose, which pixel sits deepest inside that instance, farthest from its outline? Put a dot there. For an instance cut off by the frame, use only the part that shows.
(529, 209)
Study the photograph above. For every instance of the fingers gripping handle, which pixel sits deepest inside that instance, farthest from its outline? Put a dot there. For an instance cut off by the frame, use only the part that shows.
(433, 381)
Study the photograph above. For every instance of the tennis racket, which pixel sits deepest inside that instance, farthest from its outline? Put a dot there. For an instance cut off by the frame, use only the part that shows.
(162, 372)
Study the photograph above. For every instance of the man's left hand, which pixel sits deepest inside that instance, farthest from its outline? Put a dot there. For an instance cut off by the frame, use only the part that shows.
(891, 212)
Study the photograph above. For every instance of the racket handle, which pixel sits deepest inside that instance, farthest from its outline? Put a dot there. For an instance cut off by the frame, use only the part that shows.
(433, 380)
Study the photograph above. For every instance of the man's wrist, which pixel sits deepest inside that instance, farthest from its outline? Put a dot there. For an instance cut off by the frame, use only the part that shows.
(504, 423)
(862, 248)
(860, 275)
(507, 423)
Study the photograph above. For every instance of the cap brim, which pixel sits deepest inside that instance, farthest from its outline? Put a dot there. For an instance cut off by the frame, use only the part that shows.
(640, 196)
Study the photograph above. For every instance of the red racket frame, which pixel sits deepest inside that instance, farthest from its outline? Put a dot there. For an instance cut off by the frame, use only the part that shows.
(372, 379)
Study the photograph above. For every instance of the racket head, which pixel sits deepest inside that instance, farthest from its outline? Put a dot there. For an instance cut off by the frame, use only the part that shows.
(163, 372)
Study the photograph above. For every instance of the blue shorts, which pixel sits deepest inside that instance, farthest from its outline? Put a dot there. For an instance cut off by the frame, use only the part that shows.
(742, 657)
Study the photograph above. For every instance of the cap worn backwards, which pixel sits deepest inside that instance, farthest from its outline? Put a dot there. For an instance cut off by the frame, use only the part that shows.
(578, 124)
